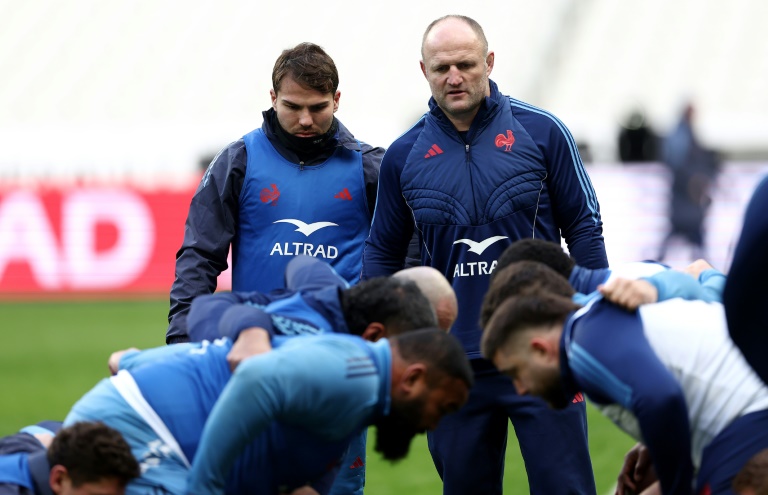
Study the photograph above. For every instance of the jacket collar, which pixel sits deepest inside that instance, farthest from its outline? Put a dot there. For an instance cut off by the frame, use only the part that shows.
(488, 109)
(39, 471)
(343, 138)
(569, 381)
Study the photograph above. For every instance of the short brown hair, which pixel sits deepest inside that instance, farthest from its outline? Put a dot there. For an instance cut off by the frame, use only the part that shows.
(521, 277)
(309, 66)
(92, 451)
(519, 313)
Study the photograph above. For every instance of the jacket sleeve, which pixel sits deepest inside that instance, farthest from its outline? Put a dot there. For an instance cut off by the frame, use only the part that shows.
(746, 290)
(392, 225)
(574, 202)
(625, 370)
(672, 283)
(208, 234)
(586, 280)
(305, 386)
(207, 311)
(371, 165)
(20, 442)
(238, 317)
(713, 282)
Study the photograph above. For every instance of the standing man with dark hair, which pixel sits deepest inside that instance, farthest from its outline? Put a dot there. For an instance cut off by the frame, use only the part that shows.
(83, 458)
(300, 184)
(475, 173)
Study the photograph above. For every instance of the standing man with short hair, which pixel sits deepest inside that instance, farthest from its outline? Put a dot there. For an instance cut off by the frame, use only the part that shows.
(477, 172)
(300, 184)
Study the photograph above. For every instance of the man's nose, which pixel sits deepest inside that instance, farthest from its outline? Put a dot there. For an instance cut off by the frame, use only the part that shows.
(305, 118)
(454, 76)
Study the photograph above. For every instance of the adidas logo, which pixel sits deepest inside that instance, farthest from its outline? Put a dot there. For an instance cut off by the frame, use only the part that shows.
(434, 150)
(343, 195)
(357, 464)
(579, 397)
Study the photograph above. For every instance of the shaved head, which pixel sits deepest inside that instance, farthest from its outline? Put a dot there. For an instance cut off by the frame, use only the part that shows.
(438, 291)
(478, 30)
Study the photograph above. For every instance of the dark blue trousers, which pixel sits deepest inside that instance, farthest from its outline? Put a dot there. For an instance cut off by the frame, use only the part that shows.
(468, 446)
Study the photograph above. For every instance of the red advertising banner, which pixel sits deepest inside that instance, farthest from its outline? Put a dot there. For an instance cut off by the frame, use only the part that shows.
(121, 240)
(89, 239)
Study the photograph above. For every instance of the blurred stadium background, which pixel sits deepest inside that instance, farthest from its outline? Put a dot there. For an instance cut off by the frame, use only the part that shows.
(109, 111)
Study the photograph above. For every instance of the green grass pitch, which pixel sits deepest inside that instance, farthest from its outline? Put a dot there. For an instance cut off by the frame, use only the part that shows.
(53, 352)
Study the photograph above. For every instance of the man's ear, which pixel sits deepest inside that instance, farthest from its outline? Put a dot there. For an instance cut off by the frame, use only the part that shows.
(542, 347)
(374, 331)
(56, 478)
(413, 373)
(489, 59)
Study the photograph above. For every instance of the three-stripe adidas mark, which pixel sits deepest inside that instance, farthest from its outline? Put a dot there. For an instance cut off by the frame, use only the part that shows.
(343, 195)
(434, 150)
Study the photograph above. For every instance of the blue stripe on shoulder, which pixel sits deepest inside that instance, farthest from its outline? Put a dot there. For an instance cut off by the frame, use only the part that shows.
(581, 173)
(591, 370)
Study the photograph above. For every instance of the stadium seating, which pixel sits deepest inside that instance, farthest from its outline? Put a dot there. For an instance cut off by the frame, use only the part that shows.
(123, 79)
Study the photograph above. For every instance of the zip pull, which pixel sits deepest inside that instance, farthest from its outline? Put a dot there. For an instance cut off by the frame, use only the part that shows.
(466, 147)
(301, 165)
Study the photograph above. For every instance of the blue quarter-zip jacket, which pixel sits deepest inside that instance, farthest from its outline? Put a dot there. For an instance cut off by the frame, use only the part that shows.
(515, 174)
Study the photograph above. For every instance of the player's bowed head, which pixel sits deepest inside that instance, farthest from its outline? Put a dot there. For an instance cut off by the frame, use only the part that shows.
(431, 378)
(522, 339)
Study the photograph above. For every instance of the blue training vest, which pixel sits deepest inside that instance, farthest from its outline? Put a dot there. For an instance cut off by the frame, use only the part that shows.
(288, 209)
(14, 470)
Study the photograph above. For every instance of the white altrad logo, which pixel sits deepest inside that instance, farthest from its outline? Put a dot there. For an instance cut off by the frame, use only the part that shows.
(305, 248)
(479, 247)
(306, 228)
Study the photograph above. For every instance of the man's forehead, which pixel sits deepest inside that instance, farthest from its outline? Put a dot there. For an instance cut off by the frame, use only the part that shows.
(449, 36)
(306, 98)
(292, 91)
(453, 56)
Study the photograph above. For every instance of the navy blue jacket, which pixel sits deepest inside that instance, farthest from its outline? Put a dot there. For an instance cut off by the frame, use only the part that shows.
(213, 216)
(746, 291)
(515, 174)
(624, 369)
